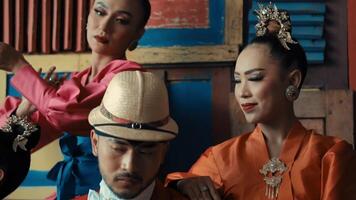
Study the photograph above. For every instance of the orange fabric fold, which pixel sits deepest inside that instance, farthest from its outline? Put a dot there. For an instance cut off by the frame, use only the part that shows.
(319, 167)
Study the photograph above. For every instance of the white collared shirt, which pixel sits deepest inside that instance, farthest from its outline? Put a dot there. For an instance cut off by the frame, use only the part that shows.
(106, 194)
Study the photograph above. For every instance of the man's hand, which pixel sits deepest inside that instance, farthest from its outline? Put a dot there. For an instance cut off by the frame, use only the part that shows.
(198, 188)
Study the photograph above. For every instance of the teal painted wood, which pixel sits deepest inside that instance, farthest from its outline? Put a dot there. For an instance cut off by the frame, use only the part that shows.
(296, 7)
(302, 19)
(315, 57)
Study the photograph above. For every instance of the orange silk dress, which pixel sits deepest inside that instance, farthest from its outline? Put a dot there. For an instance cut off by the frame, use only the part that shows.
(319, 167)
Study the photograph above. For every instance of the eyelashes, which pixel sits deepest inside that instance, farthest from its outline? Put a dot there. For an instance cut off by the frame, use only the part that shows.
(252, 78)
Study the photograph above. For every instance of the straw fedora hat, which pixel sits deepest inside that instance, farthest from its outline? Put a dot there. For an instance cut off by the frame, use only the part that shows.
(135, 107)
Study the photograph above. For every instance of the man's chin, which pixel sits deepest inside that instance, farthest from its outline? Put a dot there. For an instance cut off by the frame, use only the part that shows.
(126, 190)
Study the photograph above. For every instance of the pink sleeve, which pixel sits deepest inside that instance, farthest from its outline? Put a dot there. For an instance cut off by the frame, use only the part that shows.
(67, 108)
(8, 106)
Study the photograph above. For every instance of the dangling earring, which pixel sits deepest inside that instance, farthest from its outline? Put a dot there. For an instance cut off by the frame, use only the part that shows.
(292, 93)
(133, 45)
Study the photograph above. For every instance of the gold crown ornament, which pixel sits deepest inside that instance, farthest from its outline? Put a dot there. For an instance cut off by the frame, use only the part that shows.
(273, 21)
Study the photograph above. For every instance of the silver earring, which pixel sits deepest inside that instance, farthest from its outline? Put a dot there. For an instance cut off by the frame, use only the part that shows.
(133, 45)
(292, 93)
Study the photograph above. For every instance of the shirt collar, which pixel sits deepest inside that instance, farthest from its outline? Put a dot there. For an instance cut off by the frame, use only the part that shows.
(106, 194)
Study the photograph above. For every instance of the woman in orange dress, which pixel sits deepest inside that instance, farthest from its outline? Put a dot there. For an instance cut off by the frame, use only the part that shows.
(280, 159)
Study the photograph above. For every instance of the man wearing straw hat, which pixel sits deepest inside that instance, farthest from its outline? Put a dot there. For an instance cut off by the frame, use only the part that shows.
(131, 131)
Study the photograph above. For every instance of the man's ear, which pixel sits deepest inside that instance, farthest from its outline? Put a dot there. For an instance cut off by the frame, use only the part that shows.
(295, 78)
(94, 142)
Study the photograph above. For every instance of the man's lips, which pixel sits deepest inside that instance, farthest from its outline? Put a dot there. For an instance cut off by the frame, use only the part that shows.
(247, 107)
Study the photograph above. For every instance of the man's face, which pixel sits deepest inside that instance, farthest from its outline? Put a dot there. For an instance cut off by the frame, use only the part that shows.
(127, 167)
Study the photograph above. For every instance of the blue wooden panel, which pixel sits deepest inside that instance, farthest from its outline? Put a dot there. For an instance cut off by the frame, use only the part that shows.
(315, 57)
(299, 32)
(296, 7)
(37, 179)
(313, 45)
(161, 37)
(302, 19)
(191, 103)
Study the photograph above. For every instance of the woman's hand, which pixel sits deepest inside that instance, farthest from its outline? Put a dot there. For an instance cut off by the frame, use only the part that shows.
(26, 108)
(10, 59)
(201, 187)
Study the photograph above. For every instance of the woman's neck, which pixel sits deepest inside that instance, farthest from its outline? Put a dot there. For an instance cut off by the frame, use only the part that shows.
(99, 61)
(276, 131)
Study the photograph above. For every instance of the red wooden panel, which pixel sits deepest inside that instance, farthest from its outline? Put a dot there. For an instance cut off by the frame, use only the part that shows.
(352, 43)
(19, 24)
(8, 21)
(56, 28)
(81, 24)
(46, 26)
(68, 25)
(179, 14)
(32, 26)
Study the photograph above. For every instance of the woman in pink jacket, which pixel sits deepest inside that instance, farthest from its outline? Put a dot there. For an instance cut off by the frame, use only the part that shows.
(113, 27)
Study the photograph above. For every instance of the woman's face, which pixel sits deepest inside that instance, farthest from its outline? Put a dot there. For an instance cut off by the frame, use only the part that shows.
(113, 25)
(260, 84)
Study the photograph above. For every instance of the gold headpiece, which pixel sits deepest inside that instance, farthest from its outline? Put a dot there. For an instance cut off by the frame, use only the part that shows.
(21, 139)
(266, 16)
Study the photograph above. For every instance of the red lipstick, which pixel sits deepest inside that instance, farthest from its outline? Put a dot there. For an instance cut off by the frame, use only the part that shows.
(101, 39)
(248, 107)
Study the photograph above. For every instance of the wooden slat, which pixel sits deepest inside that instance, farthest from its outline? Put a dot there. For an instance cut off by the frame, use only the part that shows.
(316, 124)
(221, 82)
(81, 23)
(233, 22)
(313, 45)
(56, 25)
(68, 25)
(8, 22)
(339, 121)
(315, 57)
(32, 25)
(296, 7)
(19, 24)
(310, 104)
(46, 27)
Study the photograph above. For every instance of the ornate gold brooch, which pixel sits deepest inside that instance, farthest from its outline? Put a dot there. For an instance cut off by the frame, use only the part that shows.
(273, 172)
(21, 139)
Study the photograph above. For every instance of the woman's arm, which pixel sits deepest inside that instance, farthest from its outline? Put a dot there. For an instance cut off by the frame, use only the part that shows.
(338, 173)
(203, 180)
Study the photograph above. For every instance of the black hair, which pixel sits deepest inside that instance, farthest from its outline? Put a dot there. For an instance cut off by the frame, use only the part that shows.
(146, 10)
(289, 59)
(14, 164)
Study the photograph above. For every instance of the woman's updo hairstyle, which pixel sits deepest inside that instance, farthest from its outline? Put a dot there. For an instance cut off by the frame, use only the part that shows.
(17, 139)
(274, 30)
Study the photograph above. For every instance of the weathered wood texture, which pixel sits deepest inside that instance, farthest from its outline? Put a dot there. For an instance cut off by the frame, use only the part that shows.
(328, 112)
